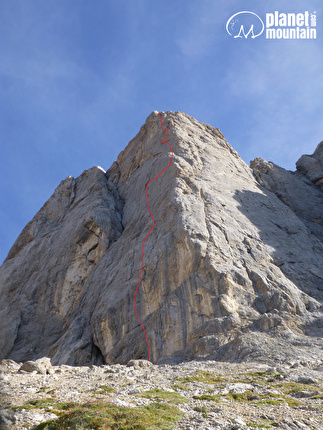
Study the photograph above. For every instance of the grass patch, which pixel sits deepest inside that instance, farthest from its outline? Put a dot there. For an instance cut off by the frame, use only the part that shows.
(269, 402)
(35, 404)
(47, 405)
(249, 397)
(158, 394)
(202, 409)
(268, 398)
(180, 386)
(292, 403)
(267, 424)
(202, 376)
(207, 397)
(295, 387)
(257, 374)
(261, 377)
(246, 397)
(241, 397)
(44, 403)
(43, 389)
(238, 397)
(104, 389)
(102, 415)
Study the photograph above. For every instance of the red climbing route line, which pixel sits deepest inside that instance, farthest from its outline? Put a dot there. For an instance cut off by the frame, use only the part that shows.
(152, 217)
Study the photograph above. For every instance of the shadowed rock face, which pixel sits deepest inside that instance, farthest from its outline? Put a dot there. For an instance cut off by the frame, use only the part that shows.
(232, 269)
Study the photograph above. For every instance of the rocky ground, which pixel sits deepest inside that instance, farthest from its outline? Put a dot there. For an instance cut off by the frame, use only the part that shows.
(211, 395)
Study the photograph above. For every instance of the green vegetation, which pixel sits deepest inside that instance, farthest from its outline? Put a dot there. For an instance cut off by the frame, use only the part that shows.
(261, 377)
(104, 389)
(292, 403)
(180, 386)
(265, 424)
(169, 396)
(163, 412)
(42, 389)
(249, 396)
(202, 409)
(270, 402)
(295, 387)
(46, 390)
(208, 397)
(241, 397)
(103, 415)
(48, 405)
(202, 376)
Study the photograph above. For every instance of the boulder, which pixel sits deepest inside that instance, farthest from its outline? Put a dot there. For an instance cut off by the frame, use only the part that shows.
(42, 366)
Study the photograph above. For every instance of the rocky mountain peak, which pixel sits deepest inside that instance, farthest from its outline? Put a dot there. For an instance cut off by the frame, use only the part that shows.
(231, 271)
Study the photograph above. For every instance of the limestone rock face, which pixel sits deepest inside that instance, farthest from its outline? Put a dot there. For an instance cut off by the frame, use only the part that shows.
(312, 165)
(48, 267)
(231, 271)
(295, 190)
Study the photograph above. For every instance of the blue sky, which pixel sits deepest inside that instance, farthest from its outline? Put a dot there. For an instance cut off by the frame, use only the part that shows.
(78, 78)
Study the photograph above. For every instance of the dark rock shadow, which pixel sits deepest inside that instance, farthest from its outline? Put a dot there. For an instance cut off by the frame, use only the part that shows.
(294, 249)
(297, 252)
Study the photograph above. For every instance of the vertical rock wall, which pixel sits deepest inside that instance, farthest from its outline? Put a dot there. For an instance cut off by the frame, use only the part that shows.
(232, 269)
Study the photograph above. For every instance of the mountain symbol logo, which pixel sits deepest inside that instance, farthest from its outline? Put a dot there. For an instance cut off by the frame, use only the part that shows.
(238, 23)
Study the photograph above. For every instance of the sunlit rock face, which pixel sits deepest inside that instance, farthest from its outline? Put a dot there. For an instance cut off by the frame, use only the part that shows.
(232, 269)
(312, 165)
